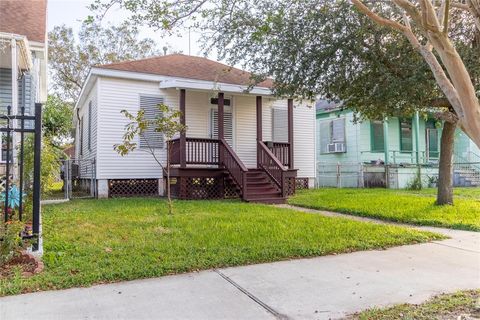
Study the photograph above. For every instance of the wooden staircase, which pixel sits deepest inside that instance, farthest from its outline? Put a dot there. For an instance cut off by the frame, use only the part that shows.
(260, 188)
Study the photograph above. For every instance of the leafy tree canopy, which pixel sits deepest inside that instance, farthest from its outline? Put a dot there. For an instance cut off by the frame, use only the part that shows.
(57, 120)
(315, 47)
(70, 59)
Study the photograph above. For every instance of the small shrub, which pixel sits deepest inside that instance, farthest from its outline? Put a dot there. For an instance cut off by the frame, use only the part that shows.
(416, 182)
(12, 243)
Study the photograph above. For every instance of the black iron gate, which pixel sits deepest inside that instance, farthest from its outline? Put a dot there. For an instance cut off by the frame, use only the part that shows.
(13, 154)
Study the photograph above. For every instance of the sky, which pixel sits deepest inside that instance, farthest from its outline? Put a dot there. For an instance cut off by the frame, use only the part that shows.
(73, 12)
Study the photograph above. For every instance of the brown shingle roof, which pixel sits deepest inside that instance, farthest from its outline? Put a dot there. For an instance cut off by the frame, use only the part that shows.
(24, 17)
(191, 67)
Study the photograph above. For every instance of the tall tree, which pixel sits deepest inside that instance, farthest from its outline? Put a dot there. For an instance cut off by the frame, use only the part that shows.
(321, 47)
(426, 24)
(57, 120)
(71, 57)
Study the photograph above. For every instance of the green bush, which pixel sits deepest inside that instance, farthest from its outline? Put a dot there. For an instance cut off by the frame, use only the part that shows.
(416, 182)
(12, 243)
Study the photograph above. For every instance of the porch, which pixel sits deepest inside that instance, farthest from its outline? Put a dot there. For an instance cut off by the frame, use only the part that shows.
(209, 168)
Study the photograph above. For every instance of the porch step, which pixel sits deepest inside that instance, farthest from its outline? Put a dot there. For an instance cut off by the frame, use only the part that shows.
(261, 189)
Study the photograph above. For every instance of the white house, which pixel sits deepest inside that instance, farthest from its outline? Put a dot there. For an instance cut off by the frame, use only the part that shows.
(264, 147)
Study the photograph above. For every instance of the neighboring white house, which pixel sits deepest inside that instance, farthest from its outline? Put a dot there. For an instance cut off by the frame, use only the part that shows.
(148, 82)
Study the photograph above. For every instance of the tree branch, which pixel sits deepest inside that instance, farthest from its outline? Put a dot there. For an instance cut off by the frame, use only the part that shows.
(446, 15)
(446, 116)
(375, 17)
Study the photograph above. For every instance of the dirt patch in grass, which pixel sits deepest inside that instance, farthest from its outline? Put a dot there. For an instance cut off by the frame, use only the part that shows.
(24, 264)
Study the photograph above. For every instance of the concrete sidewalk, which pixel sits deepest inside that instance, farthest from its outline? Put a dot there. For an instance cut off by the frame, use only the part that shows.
(317, 288)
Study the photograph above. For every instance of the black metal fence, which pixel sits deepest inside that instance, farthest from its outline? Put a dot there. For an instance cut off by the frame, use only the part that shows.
(21, 197)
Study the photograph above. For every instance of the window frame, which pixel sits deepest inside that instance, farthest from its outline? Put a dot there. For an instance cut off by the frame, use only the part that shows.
(372, 135)
(329, 122)
(140, 145)
(430, 124)
(400, 121)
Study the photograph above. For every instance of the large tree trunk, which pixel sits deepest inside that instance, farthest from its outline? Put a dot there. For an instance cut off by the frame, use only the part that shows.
(445, 170)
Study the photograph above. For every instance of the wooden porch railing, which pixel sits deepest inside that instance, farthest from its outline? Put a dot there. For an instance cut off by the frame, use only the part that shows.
(280, 150)
(198, 151)
(272, 166)
(232, 163)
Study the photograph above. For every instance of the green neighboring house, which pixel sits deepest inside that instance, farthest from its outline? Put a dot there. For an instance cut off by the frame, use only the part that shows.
(386, 153)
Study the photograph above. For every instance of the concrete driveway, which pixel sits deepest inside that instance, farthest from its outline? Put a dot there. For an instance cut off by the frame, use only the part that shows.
(326, 287)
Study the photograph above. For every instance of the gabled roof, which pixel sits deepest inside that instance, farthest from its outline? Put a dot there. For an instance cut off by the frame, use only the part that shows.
(189, 67)
(24, 17)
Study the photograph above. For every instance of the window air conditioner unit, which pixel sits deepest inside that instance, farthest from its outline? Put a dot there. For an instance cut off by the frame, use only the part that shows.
(337, 147)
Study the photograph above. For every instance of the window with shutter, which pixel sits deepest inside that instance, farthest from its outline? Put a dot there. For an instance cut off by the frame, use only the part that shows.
(377, 136)
(227, 124)
(332, 132)
(279, 125)
(150, 138)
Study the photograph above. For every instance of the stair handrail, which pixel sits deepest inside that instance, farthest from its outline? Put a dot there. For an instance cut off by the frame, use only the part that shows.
(235, 167)
(272, 166)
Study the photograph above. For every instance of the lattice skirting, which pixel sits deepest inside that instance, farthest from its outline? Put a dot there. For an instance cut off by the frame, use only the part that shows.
(194, 188)
(301, 183)
(290, 186)
(132, 187)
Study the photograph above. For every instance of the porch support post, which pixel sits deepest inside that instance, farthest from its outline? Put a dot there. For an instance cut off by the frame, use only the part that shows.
(183, 134)
(385, 140)
(14, 70)
(290, 134)
(416, 123)
(259, 126)
(220, 123)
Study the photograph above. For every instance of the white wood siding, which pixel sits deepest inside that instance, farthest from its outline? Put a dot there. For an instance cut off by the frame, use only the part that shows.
(303, 136)
(245, 129)
(117, 94)
(87, 153)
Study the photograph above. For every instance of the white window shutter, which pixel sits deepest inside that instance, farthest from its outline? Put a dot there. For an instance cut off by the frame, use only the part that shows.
(227, 124)
(151, 138)
(280, 125)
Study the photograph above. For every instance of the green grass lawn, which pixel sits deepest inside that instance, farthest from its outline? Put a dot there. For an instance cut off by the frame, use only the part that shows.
(446, 306)
(397, 205)
(97, 241)
(470, 193)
